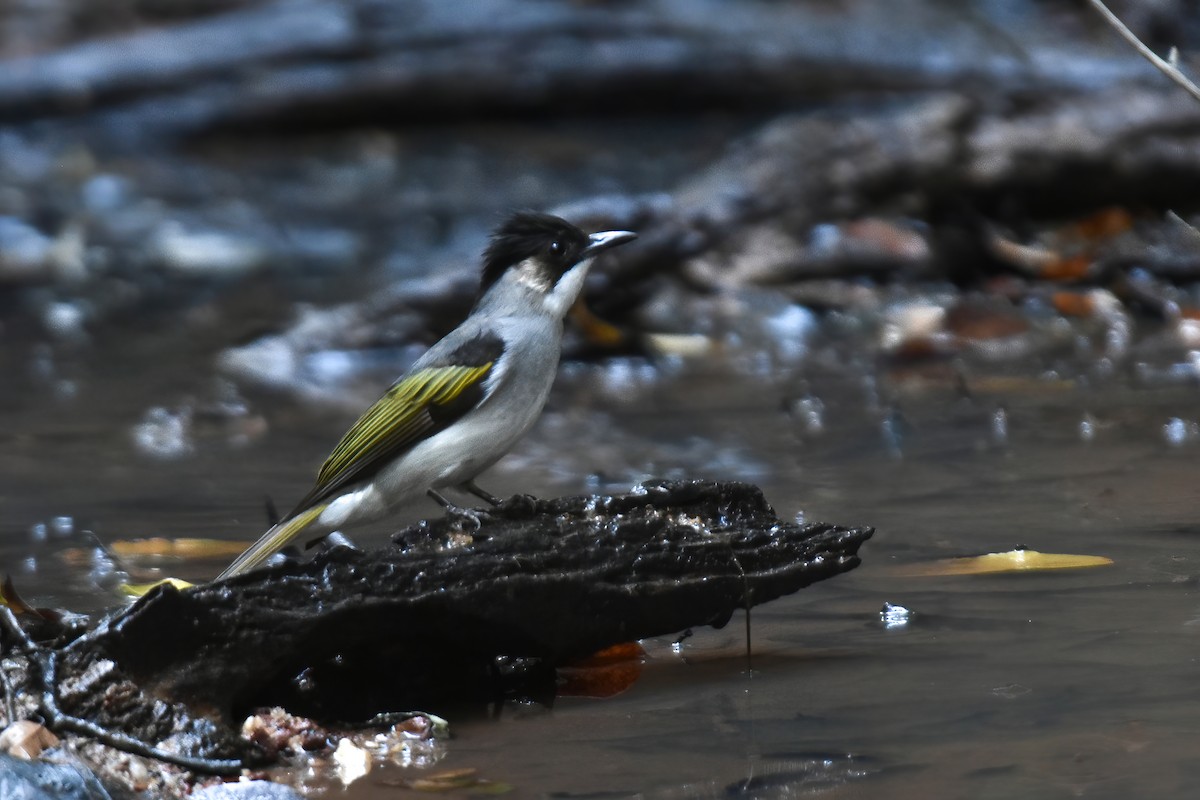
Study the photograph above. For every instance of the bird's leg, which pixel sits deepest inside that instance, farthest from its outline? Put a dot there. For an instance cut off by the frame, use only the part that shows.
(455, 511)
(482, 494)
(525, 503)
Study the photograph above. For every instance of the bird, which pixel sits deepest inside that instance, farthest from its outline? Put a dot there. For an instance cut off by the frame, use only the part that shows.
(465, 402)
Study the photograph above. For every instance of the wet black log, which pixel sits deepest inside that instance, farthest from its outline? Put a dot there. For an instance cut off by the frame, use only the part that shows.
(288, 62)
(353, 633)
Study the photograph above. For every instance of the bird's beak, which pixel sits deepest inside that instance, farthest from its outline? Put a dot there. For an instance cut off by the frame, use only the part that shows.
(599, 242)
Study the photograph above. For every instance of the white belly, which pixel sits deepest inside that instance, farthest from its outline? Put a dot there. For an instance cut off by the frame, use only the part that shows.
(517, 390)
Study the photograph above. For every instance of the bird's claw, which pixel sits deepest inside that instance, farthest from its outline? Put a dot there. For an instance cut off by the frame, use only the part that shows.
(469, 516)
(524, 505)
(458, 513)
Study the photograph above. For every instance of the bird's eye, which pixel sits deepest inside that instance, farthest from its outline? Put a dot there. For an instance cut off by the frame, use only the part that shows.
(556, 248)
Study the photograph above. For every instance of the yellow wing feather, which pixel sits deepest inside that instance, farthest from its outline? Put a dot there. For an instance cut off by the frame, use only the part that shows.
(396, 421)
(397, 418)
(271, 542)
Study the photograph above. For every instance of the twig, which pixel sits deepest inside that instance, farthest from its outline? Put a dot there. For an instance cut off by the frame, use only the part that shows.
(46, 664)
(10, 625)
(10, 707)
(1161, 64)
(43, 667)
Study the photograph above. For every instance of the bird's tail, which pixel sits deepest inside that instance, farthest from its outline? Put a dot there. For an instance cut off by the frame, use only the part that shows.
(272, 541)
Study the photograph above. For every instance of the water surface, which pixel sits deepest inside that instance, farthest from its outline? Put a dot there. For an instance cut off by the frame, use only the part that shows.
(1057, 684)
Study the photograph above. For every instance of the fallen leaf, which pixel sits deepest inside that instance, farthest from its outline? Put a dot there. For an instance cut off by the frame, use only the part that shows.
(596, 330)
(158, 548)
(453, 780)
(1104, 224)
(1068, 268)
(276, 731)
(141, 589)
(353, 762)
(603, 674)
(1073, 304)
(26, 739)
(685, 345)
(886, 238)
(178, 548)
(1012, 561)
(12, 600)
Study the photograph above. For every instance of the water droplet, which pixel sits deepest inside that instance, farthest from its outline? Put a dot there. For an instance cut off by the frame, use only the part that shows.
(891, 427)
(1175, 432)
(164, 434)
(809, 411)
(894, 616)
(1000, 426)
(64, 320)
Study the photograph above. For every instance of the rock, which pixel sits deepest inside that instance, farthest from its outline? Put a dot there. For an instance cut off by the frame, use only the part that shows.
(43, 780)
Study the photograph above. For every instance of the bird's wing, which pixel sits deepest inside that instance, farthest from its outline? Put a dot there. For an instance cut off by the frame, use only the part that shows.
(429, 399)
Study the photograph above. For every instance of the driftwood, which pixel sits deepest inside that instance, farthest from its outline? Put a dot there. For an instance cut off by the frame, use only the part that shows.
(292, 61)
(436, 618)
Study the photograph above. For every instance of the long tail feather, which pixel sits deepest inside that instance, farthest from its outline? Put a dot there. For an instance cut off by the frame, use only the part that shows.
(272, 541)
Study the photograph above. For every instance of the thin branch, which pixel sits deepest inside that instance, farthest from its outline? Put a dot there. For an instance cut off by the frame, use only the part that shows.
(10, 625)
(1163, 66)
(10, 706)
(46, 663)
(43, 668)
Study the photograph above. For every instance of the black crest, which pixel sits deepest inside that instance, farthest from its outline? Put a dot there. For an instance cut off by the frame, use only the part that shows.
(556, 243)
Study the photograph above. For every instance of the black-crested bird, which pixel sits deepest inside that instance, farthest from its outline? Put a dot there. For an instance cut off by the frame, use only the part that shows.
(467, 400)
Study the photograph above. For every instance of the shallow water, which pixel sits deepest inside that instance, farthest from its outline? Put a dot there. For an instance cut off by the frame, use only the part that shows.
(1033, 685)
(1055, 684)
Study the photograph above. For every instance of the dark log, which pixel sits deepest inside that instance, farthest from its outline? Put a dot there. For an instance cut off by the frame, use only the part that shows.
(288, 61)
(352, 633)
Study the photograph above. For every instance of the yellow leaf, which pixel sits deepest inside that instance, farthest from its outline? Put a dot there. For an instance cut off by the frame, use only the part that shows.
(156, 549)
(179, 548)
(140, 589)
(1012, 561)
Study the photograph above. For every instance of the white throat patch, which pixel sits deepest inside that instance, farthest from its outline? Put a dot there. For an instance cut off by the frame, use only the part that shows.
(559, 300)
(531, 275)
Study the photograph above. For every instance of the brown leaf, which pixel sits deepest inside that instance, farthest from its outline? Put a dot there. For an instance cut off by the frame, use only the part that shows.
(603, 674)
(1073, 304)
(26, 739)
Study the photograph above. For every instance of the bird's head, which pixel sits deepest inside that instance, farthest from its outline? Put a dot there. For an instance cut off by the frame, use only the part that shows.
(544, 255)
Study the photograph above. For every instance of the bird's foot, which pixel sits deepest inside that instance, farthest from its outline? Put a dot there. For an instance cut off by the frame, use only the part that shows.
(472, 517)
